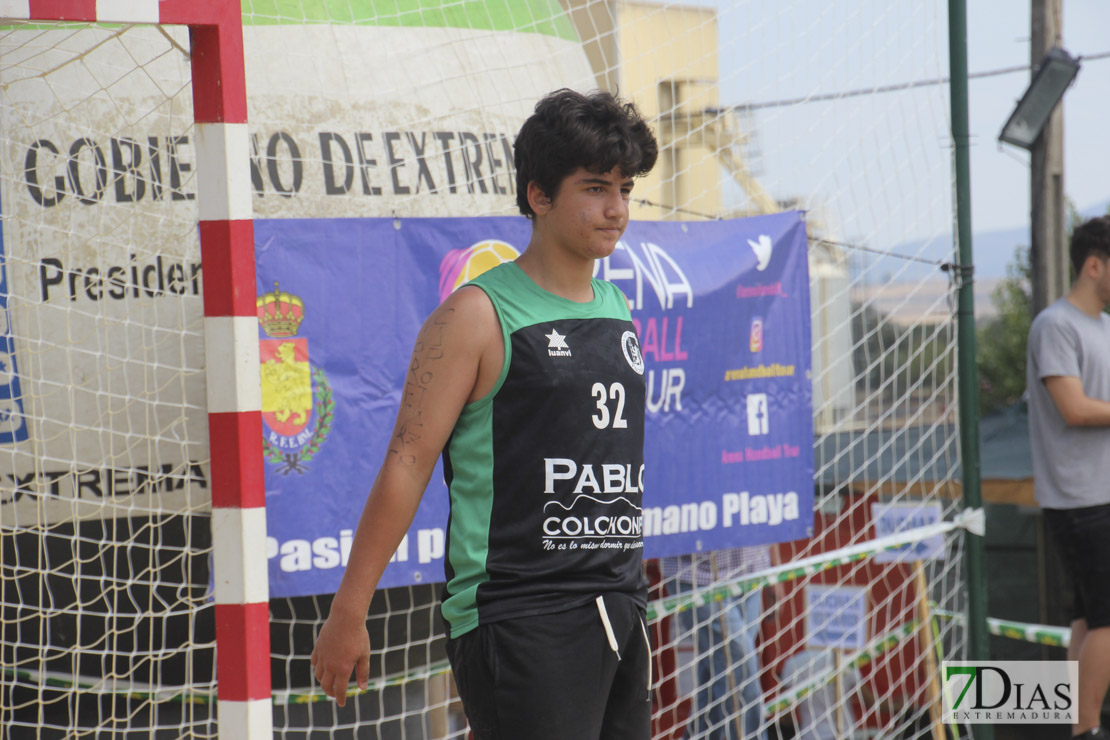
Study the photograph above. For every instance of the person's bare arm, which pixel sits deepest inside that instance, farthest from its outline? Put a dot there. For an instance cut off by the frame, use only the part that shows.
(1077, 408)
(451, 363)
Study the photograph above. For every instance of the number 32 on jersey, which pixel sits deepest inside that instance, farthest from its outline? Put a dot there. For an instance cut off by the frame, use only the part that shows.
(603, 419)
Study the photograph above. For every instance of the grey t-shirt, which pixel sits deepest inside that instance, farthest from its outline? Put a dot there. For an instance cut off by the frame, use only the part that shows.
(1071, 465)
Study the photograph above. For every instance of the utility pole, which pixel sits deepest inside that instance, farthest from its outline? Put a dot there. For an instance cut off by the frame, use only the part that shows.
(1048, 211)
(1051, 268)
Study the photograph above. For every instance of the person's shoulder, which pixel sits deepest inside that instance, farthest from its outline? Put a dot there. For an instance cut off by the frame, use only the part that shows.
(1055, 316)
(506, 273)
(464, 325)
(469, 303)
(1056, 311)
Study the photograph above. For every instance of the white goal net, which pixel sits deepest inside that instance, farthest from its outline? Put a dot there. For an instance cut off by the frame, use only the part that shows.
(104, 477)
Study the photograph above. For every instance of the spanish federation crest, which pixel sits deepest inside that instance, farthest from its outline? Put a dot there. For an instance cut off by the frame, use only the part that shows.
(297, 404)
(630, 345)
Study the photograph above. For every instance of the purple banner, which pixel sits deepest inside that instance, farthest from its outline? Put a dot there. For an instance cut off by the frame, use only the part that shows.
(722, 311)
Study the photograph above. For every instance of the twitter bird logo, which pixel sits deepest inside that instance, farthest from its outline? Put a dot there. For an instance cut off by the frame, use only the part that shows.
(762, 250)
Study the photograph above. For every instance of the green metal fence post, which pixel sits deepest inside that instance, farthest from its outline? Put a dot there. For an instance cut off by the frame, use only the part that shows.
(968, 381)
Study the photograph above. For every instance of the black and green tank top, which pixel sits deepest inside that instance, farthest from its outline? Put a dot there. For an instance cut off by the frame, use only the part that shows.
(546, 472)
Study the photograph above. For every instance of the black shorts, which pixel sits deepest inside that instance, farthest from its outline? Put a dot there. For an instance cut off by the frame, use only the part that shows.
(557, 676)
(1083, 536)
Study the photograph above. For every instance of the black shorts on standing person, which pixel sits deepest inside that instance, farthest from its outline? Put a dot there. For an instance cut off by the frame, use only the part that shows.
(1083, 538)
(558, 676)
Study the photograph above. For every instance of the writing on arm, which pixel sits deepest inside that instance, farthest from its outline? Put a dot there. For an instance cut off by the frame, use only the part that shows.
(456, 358)
(451, 361)
(429, 356)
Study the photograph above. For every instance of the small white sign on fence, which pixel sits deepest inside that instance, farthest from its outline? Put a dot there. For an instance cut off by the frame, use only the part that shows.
(836, 616)
(902, 517)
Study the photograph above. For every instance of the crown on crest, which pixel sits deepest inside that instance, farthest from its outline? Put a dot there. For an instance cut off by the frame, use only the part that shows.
(280, 313)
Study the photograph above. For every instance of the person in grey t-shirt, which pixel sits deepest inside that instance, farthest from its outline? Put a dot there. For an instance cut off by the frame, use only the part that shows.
(1068, 377)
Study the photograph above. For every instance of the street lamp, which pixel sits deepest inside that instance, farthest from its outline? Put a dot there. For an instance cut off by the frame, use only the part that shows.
(1055, 72)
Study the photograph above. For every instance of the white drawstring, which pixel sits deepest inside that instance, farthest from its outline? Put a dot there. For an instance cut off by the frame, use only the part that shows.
(608, 626)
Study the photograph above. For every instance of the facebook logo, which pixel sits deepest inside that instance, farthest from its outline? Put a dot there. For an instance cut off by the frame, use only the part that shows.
(757, 414)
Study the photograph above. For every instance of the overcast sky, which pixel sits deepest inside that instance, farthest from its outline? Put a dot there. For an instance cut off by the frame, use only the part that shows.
(880, 163)
(999, 37)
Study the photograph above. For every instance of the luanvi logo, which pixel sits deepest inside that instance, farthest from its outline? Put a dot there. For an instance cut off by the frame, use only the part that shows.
(557, 344)
(1028, 692)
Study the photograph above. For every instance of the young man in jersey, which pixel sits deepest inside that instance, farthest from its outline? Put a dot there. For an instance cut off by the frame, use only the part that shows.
(1068, 380)
(530, 382)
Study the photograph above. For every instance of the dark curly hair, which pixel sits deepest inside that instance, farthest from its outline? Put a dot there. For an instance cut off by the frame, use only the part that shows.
(1090, 238)
(569, 130)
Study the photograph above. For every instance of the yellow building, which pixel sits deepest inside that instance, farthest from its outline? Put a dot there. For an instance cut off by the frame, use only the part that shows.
(664, 59)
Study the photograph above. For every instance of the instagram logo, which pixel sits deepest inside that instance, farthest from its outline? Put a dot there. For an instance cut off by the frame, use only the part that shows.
(755, 339)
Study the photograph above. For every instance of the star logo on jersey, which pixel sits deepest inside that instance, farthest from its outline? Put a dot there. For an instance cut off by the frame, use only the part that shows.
(557, 344)
(555, 340)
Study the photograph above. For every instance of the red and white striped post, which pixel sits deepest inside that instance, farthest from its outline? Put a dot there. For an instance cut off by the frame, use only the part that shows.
(230, 335)
(234, 394)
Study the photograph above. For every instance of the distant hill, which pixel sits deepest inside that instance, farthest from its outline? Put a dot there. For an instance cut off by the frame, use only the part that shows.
(992, 250)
